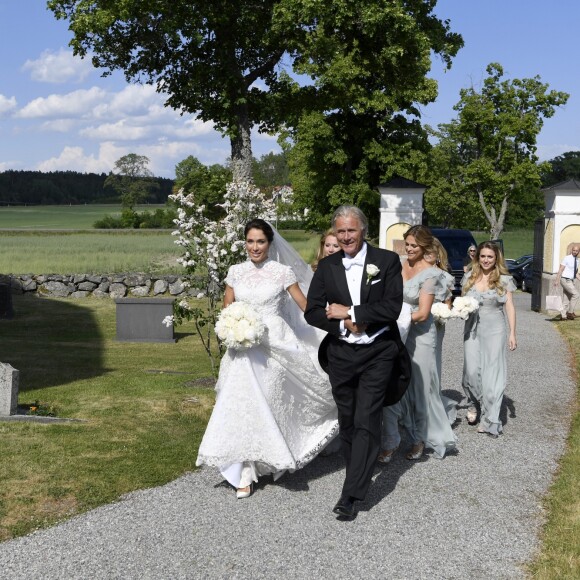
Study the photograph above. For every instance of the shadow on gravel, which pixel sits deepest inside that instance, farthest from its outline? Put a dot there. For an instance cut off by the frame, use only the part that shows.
(318, 467)
(389, 475)
(453, 394)
(508, 409)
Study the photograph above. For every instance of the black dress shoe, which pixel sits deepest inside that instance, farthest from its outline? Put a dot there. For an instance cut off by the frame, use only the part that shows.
(344, 507)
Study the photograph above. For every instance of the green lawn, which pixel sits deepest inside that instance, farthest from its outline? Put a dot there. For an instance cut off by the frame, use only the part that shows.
(30, 243)
(93, 251)
(516, 243)
(559, 553)
(143, 406)
(59, 217)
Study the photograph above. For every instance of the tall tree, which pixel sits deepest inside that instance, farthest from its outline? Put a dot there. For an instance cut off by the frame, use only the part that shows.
(226, 60)
(271, 171)
(132, 179)
(206, 184)
(563, 168)
(371, 63)
(489, 150)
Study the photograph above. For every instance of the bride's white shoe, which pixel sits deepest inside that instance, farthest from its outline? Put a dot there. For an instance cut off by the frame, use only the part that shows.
(243, 492)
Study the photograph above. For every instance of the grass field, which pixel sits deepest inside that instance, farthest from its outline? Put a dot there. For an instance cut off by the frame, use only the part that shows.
(91, 251)
(143, 409)
(559, 553)
(59, 217)
(516, 243)
(33, 241)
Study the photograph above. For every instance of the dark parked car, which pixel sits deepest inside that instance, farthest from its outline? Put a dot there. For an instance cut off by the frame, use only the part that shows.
(527, 277)
(455, 243)
(516, 268)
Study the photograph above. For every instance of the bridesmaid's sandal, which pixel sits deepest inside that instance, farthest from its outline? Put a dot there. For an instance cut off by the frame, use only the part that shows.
(416, 451)
(243, 492)
(386, 455)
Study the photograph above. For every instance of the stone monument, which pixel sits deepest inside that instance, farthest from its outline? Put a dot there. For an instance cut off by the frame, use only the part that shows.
(8, 389)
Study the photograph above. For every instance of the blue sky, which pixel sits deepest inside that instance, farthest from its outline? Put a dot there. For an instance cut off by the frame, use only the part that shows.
(58, 113)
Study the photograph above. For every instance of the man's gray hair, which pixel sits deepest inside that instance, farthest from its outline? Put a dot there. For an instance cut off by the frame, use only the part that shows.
(345, 211)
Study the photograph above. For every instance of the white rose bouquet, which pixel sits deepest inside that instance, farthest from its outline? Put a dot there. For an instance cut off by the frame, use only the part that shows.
(441, 312)
(239, 326)
(463, 306)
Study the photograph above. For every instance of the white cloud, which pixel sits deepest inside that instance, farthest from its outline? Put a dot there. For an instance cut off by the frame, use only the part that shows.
(133, 100)
(59, 125)
(75, 159)
(120, 131)
(163, 155)
(58, 67)
(188, 129)
(76, 104)
(6, 165)
(7, 104)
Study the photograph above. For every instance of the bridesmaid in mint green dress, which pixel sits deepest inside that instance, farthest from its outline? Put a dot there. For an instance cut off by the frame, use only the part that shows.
(440, 259)
(484, 366)
(421, 410)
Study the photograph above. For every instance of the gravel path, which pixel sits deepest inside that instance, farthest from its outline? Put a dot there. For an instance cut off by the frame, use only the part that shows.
(475, 514)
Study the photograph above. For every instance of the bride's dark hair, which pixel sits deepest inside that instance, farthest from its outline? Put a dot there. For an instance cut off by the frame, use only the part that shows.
(259, 224)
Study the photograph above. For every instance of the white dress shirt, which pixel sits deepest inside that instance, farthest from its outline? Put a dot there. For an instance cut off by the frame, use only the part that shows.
(568, 263)
(354, 270)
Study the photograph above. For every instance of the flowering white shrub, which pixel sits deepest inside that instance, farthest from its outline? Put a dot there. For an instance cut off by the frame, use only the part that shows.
(441, 312)
(239, 326)
(463, 306)
(210, 248)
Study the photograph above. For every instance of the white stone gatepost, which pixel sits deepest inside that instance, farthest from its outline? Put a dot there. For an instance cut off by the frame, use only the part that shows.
(561, 229)
(401, 206)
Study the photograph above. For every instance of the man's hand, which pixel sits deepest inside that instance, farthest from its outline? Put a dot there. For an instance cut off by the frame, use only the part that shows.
(337, 312)
(354, 327)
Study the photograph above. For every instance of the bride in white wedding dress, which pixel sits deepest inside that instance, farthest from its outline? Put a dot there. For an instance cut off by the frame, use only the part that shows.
(274, 408)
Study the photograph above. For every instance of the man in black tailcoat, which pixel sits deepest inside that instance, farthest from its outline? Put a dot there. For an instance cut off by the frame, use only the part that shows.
(356, 296)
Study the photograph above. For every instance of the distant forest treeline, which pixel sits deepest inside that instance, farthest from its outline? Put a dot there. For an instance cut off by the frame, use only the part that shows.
(65, 187)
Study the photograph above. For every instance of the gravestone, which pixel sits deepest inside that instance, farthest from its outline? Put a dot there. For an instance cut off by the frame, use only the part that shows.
(141, 319)
(8, 389)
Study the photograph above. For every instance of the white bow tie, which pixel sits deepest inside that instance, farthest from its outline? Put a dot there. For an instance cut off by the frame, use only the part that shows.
(356, 261)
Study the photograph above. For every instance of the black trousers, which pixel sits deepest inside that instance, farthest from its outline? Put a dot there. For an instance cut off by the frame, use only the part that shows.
(359, 375)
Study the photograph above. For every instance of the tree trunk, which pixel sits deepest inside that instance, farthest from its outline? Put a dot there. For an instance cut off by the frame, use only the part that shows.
(241, 145)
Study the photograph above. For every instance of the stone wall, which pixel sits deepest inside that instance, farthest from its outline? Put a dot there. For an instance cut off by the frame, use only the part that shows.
(102, 286)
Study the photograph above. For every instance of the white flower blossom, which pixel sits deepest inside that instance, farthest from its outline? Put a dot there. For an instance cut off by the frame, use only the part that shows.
(463, 306)
(441, 312)
(239, 326)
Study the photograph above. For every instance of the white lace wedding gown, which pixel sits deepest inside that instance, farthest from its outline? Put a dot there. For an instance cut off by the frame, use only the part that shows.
(274, 409)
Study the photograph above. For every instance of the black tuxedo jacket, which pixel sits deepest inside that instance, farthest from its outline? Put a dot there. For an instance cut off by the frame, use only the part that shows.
(381, 297)
(381, 302)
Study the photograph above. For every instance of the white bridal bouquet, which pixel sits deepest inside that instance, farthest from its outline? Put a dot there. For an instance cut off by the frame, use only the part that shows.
(239, 326)
(441, 312)
(463, 306)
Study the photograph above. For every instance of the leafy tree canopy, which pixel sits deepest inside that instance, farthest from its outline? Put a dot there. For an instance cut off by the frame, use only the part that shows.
(366, 127)
(487, 155)
(226, 60)
(563, 168)
(206, 184)
(271, 171)
(132, 180)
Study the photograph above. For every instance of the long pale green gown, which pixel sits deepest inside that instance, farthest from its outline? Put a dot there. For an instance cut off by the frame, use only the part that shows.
(484, 363)
(422, 411)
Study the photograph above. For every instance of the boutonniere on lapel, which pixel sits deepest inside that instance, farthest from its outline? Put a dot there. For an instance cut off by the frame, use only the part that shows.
(372, 271)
